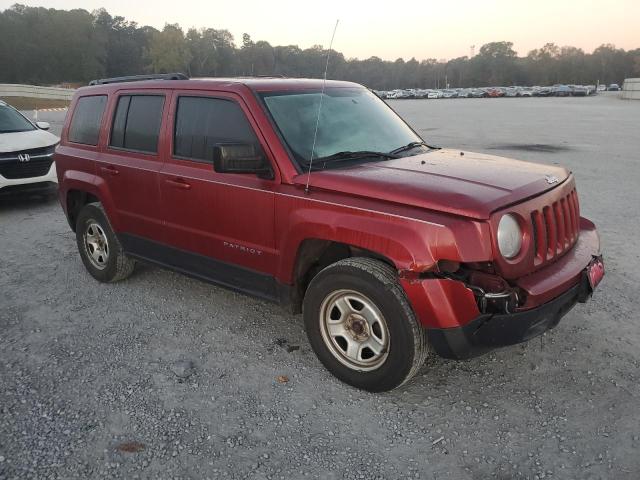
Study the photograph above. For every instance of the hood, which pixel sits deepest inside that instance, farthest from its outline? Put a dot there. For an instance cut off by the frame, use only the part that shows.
(461, 183)
(18, 141)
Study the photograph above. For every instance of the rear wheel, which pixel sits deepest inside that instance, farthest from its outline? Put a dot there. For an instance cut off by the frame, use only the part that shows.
(99, 247)
(361, 326)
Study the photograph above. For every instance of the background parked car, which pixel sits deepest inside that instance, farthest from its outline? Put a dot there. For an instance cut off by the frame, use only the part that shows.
(495, 92)
(526, 92)
(561, 90)
(580, 91)
(26, 152)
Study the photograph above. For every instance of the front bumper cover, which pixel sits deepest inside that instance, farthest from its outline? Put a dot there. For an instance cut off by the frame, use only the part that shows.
(26, 188)
(490, 331)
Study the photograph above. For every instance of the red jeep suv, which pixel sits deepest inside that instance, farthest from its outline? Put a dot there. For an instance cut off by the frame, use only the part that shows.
(317, 195)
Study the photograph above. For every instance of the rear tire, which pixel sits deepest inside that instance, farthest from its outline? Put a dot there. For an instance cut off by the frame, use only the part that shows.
(99, 247)
(361, 325)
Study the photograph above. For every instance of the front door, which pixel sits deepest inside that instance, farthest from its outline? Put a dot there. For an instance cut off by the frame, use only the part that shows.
(222, 223)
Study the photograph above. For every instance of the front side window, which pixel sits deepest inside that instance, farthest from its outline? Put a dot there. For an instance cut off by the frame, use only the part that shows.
(351, 120)
(11, 121)
(202, 123)
(136, 123)
(87, 118)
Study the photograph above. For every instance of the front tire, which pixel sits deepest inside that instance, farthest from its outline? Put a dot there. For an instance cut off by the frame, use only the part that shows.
(361, 325)
(99, 247)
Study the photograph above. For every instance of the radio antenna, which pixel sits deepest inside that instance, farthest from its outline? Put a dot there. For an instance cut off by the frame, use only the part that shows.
(324, 81)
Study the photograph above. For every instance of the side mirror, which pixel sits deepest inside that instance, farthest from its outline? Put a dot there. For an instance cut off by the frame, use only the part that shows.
(43, 125)
(241, 158)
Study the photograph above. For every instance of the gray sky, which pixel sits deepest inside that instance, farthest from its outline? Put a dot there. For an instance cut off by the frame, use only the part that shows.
(390, 29)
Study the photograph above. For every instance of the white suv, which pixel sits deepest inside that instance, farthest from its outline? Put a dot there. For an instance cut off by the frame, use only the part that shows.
(26, 152)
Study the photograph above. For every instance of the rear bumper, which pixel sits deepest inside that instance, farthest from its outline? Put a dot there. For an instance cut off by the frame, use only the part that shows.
(489, 331)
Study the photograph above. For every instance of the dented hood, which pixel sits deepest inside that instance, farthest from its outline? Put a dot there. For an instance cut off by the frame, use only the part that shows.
(461, 183)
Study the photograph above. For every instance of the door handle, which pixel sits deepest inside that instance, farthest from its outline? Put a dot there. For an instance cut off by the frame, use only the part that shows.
(178, 183)
(111, 170)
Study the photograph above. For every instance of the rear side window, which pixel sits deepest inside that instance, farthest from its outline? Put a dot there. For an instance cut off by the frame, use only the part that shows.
(201, 123)
(136, 123)
(87, 117)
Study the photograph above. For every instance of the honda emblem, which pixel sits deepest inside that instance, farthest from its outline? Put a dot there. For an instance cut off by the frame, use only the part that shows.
(23, 157)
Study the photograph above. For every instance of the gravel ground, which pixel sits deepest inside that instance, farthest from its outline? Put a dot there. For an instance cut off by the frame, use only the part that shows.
(162, 376)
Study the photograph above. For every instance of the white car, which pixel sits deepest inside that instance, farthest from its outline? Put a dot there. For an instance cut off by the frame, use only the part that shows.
(26, 152)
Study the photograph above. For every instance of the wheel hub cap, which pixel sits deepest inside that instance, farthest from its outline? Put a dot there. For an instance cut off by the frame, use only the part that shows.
(354, 330)
(96, 245)
(357, 327)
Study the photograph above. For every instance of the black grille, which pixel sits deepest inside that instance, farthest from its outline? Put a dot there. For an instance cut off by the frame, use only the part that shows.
(39, 163)
(36, 167)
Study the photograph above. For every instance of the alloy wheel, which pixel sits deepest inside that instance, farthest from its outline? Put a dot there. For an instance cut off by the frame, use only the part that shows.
(96, 245)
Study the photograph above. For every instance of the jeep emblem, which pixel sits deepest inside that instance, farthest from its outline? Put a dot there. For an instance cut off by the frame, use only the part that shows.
(551, 179)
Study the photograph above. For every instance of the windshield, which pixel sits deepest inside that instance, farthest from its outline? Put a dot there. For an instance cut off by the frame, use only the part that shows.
(351, 120)
(11, 121)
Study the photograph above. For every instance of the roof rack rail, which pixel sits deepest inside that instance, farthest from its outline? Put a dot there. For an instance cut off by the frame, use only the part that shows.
(139, 78)
(276, 75)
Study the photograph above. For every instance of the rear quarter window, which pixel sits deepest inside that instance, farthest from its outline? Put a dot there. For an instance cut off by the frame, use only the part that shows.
(86, 120)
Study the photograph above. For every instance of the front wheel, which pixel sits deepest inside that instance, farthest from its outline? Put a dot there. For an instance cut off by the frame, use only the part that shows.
(361, 326)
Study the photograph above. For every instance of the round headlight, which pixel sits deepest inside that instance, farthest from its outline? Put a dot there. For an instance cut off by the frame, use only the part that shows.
(509, 236)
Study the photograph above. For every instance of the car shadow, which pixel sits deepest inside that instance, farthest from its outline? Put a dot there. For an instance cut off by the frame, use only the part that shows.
(16, 200)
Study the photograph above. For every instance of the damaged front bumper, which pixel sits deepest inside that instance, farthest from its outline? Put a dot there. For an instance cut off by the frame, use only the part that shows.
(460, 326)
(490, 331)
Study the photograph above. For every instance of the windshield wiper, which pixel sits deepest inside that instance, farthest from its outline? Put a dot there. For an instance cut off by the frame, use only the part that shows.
(410, 146)
(349, 155)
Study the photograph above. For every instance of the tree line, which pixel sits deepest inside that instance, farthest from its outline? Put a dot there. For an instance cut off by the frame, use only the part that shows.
(49, 46)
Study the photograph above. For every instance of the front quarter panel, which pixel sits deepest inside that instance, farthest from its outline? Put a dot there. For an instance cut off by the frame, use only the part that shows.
(413, 240)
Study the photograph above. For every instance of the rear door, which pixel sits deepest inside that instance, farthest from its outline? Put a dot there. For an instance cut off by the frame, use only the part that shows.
(228, 217)
(131, 161)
